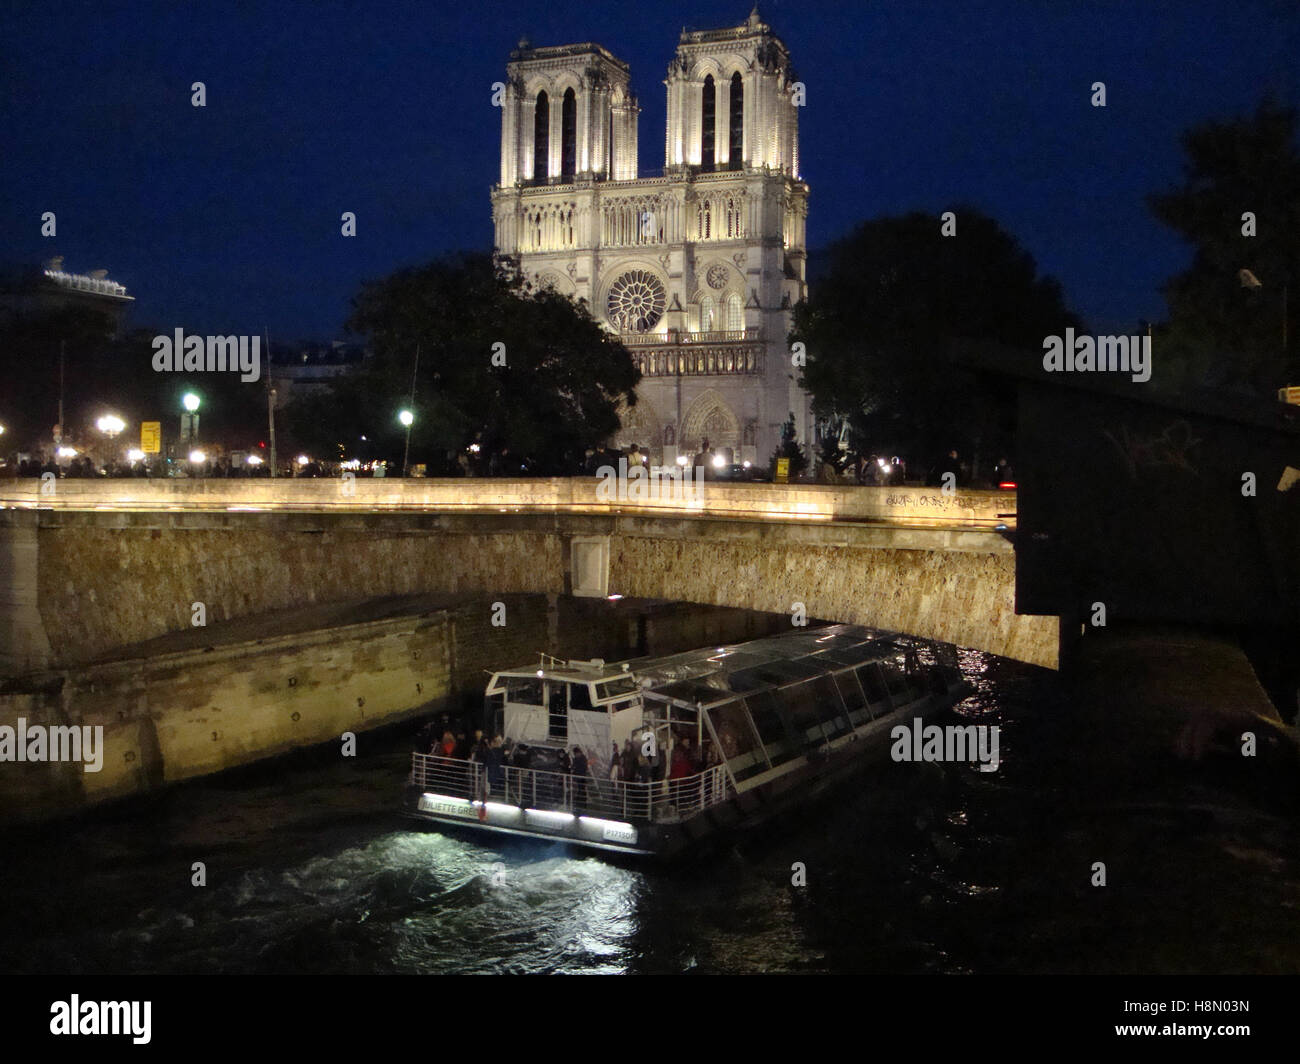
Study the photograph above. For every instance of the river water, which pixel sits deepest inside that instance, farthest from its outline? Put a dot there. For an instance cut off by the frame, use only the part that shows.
(914, 868)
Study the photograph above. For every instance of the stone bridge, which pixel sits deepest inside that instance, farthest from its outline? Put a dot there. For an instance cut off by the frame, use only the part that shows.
(88, 566)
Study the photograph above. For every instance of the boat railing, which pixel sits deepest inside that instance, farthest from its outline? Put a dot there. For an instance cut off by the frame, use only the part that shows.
(660, 800)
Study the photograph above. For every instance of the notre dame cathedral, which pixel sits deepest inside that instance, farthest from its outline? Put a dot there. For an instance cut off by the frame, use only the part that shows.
(696, 268)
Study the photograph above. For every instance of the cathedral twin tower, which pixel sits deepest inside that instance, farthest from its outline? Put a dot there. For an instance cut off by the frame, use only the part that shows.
(696, 269)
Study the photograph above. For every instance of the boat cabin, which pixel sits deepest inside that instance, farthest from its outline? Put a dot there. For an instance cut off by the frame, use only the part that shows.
(563, 704)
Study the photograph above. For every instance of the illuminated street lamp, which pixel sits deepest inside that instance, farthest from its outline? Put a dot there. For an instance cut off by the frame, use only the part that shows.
(198, 457)
(190, 419)
(110, 425)
(135, 455)
(407, 419)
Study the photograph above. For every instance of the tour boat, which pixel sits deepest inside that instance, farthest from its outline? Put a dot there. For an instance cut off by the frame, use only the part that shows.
(722, 738)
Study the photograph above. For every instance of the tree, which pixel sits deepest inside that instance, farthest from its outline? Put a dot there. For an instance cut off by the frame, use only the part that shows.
(880, 328)
(501, 363)
(1240, 177)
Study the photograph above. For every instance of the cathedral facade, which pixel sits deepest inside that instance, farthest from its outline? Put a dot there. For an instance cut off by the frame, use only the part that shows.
(697, 268)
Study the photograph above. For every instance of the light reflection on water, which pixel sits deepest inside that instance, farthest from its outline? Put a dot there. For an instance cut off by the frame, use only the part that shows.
(918, 868)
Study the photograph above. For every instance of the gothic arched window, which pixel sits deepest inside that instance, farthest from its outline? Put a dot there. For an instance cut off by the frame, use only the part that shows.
(736, 145)
(568, 135)
(704, 220)
(541, 138)
(708, 123)
(708, 313)
(735, 313)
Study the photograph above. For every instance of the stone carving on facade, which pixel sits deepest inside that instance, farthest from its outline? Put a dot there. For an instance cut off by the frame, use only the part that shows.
(739, 259)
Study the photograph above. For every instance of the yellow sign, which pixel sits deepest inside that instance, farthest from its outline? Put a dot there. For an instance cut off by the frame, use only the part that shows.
(1289, 395)
(782, 471)
(151, 437)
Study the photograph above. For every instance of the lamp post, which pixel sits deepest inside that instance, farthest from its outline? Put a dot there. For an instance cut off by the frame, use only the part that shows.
(110, 425)
(190, 419)
(407, 419)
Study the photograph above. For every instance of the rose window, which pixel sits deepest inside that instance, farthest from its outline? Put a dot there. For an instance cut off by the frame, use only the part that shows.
(636, 302)
(716, 276)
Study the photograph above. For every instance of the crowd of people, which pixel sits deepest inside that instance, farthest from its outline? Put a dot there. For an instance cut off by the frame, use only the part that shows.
(637, 761)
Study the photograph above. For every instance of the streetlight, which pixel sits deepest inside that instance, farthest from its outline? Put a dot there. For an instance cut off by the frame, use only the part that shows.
(198, 457)
(190, 419)
(110, 425)
(135, 455)
(407, 419)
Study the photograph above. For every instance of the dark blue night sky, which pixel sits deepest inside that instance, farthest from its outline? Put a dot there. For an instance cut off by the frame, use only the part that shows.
(226, 219)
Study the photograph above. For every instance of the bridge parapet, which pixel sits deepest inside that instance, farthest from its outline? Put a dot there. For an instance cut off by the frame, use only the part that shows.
(802, 502)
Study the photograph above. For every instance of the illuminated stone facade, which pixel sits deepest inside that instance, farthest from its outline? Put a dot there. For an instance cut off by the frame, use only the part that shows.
(697, 268)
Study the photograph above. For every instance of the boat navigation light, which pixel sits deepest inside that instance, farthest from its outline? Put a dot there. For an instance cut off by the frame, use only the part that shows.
(539, 672)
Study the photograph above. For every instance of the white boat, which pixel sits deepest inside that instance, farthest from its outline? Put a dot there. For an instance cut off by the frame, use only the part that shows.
(724, 738)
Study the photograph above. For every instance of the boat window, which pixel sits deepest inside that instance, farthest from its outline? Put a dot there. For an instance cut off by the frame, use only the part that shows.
(494, 715)
(524, 690)
(851, 692)
(834, 720)
(800, 702)
(872, 682)
(622, 685)
(737, 739)
(894, 678)
(579, 696)
(770, 722)
(557, 716)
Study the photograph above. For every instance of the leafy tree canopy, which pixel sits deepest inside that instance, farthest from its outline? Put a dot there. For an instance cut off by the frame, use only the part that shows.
(1221, 332)
(557, 393)
(879, 329)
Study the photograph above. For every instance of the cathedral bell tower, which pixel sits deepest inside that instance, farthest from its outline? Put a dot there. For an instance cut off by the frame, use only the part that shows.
(695, 269)
(568, 115)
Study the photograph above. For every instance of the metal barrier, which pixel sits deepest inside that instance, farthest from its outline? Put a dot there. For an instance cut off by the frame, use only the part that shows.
(662, 800)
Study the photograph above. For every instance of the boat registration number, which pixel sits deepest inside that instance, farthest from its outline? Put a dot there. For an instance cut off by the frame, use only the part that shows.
(618, 833)
(433, 805)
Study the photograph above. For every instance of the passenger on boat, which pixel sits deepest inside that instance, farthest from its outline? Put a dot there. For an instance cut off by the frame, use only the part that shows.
(615, 766)
(681, 766)
(494, 765)
(629, 761)
(447, 748)
(581, 771)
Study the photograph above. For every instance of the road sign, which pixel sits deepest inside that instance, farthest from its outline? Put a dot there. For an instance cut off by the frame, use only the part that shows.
(151, 437)
(782, 471)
